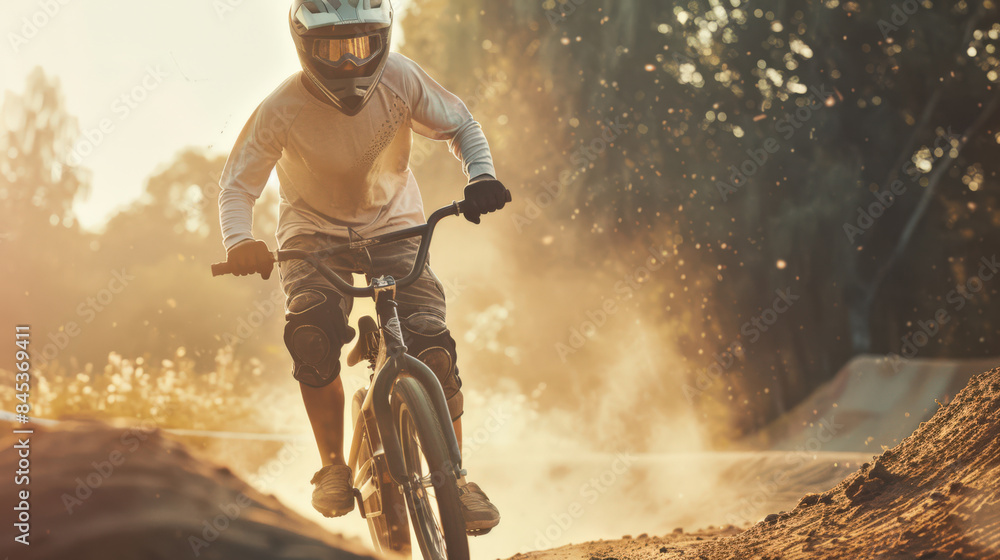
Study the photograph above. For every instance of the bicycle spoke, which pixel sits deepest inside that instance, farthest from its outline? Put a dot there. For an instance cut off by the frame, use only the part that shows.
(420, 450)
(423, 492)
(431, 494)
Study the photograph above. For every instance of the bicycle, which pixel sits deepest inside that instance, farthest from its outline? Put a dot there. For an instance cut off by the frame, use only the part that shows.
(404, 443)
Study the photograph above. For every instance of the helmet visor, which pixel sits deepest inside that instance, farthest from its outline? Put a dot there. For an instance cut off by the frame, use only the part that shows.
(338, 51)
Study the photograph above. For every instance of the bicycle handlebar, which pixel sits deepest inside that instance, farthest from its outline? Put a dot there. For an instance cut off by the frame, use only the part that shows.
(425, 231)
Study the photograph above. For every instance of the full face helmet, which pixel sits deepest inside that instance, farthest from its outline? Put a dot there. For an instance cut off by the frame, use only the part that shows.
(343, 46)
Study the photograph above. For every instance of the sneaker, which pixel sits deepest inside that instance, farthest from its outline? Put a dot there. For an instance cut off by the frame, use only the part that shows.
(480, 514)
(333, 494)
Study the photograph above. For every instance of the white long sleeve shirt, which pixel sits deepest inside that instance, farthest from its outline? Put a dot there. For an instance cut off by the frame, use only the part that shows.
(337, 171)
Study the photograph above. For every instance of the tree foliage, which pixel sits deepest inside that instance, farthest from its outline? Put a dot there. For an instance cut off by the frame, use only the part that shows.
(763, 140)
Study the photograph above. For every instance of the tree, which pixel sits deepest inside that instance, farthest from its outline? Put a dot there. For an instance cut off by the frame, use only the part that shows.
(37, 187)
(752, 134)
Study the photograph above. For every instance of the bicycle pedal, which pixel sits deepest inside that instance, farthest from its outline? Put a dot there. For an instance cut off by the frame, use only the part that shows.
(361, 503)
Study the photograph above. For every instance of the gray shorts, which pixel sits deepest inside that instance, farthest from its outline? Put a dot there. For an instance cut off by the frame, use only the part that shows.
(421, 304)
(426, 295)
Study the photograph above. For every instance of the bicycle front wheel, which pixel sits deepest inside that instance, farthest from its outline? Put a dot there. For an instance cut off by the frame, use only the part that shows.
(432, 500)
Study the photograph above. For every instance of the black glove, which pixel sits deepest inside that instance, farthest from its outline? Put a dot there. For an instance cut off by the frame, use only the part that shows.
(483, 197)
(251, 257)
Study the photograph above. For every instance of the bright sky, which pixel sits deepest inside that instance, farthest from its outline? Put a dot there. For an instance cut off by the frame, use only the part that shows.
(194, 69)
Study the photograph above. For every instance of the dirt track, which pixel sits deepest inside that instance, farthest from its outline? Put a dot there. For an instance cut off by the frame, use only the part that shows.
(674, 545)
(100, 492)
(934, 496)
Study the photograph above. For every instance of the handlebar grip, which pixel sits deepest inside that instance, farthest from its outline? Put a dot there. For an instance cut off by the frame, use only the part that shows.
(508, 196)
(220, 269)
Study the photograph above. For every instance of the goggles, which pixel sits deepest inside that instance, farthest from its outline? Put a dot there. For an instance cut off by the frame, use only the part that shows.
(357, 50)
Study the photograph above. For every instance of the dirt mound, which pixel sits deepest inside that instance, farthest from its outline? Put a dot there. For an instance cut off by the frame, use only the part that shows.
(98, 491)
(934, 496)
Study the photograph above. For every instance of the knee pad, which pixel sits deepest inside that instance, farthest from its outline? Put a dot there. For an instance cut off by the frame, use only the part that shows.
(314, 334)
(430, 341)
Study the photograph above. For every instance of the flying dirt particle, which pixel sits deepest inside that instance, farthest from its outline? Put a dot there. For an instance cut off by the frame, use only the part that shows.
(663, 549)
(936, 496)
(955, 488)
(771, 518)
(678, 530)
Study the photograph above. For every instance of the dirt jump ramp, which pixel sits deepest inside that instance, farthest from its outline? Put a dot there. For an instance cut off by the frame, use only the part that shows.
(873, 401)
(97, 491)
(934, 496)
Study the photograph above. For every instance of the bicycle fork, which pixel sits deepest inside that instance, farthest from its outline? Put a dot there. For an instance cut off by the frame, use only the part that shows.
(378, 399)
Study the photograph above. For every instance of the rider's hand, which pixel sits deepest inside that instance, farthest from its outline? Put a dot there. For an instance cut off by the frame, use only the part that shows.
(251, 257)
(482, 197)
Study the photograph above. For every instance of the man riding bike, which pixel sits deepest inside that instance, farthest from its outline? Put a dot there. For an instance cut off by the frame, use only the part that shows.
(339, 134)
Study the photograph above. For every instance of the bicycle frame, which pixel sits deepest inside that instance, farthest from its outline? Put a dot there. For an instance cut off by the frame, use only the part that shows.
(394, 361)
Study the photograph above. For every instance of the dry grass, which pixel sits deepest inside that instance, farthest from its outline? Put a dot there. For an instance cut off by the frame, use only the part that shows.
(172, 394)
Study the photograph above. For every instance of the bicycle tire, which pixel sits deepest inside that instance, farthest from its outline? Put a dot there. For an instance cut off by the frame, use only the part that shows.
(389, 529)
(421, 433)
